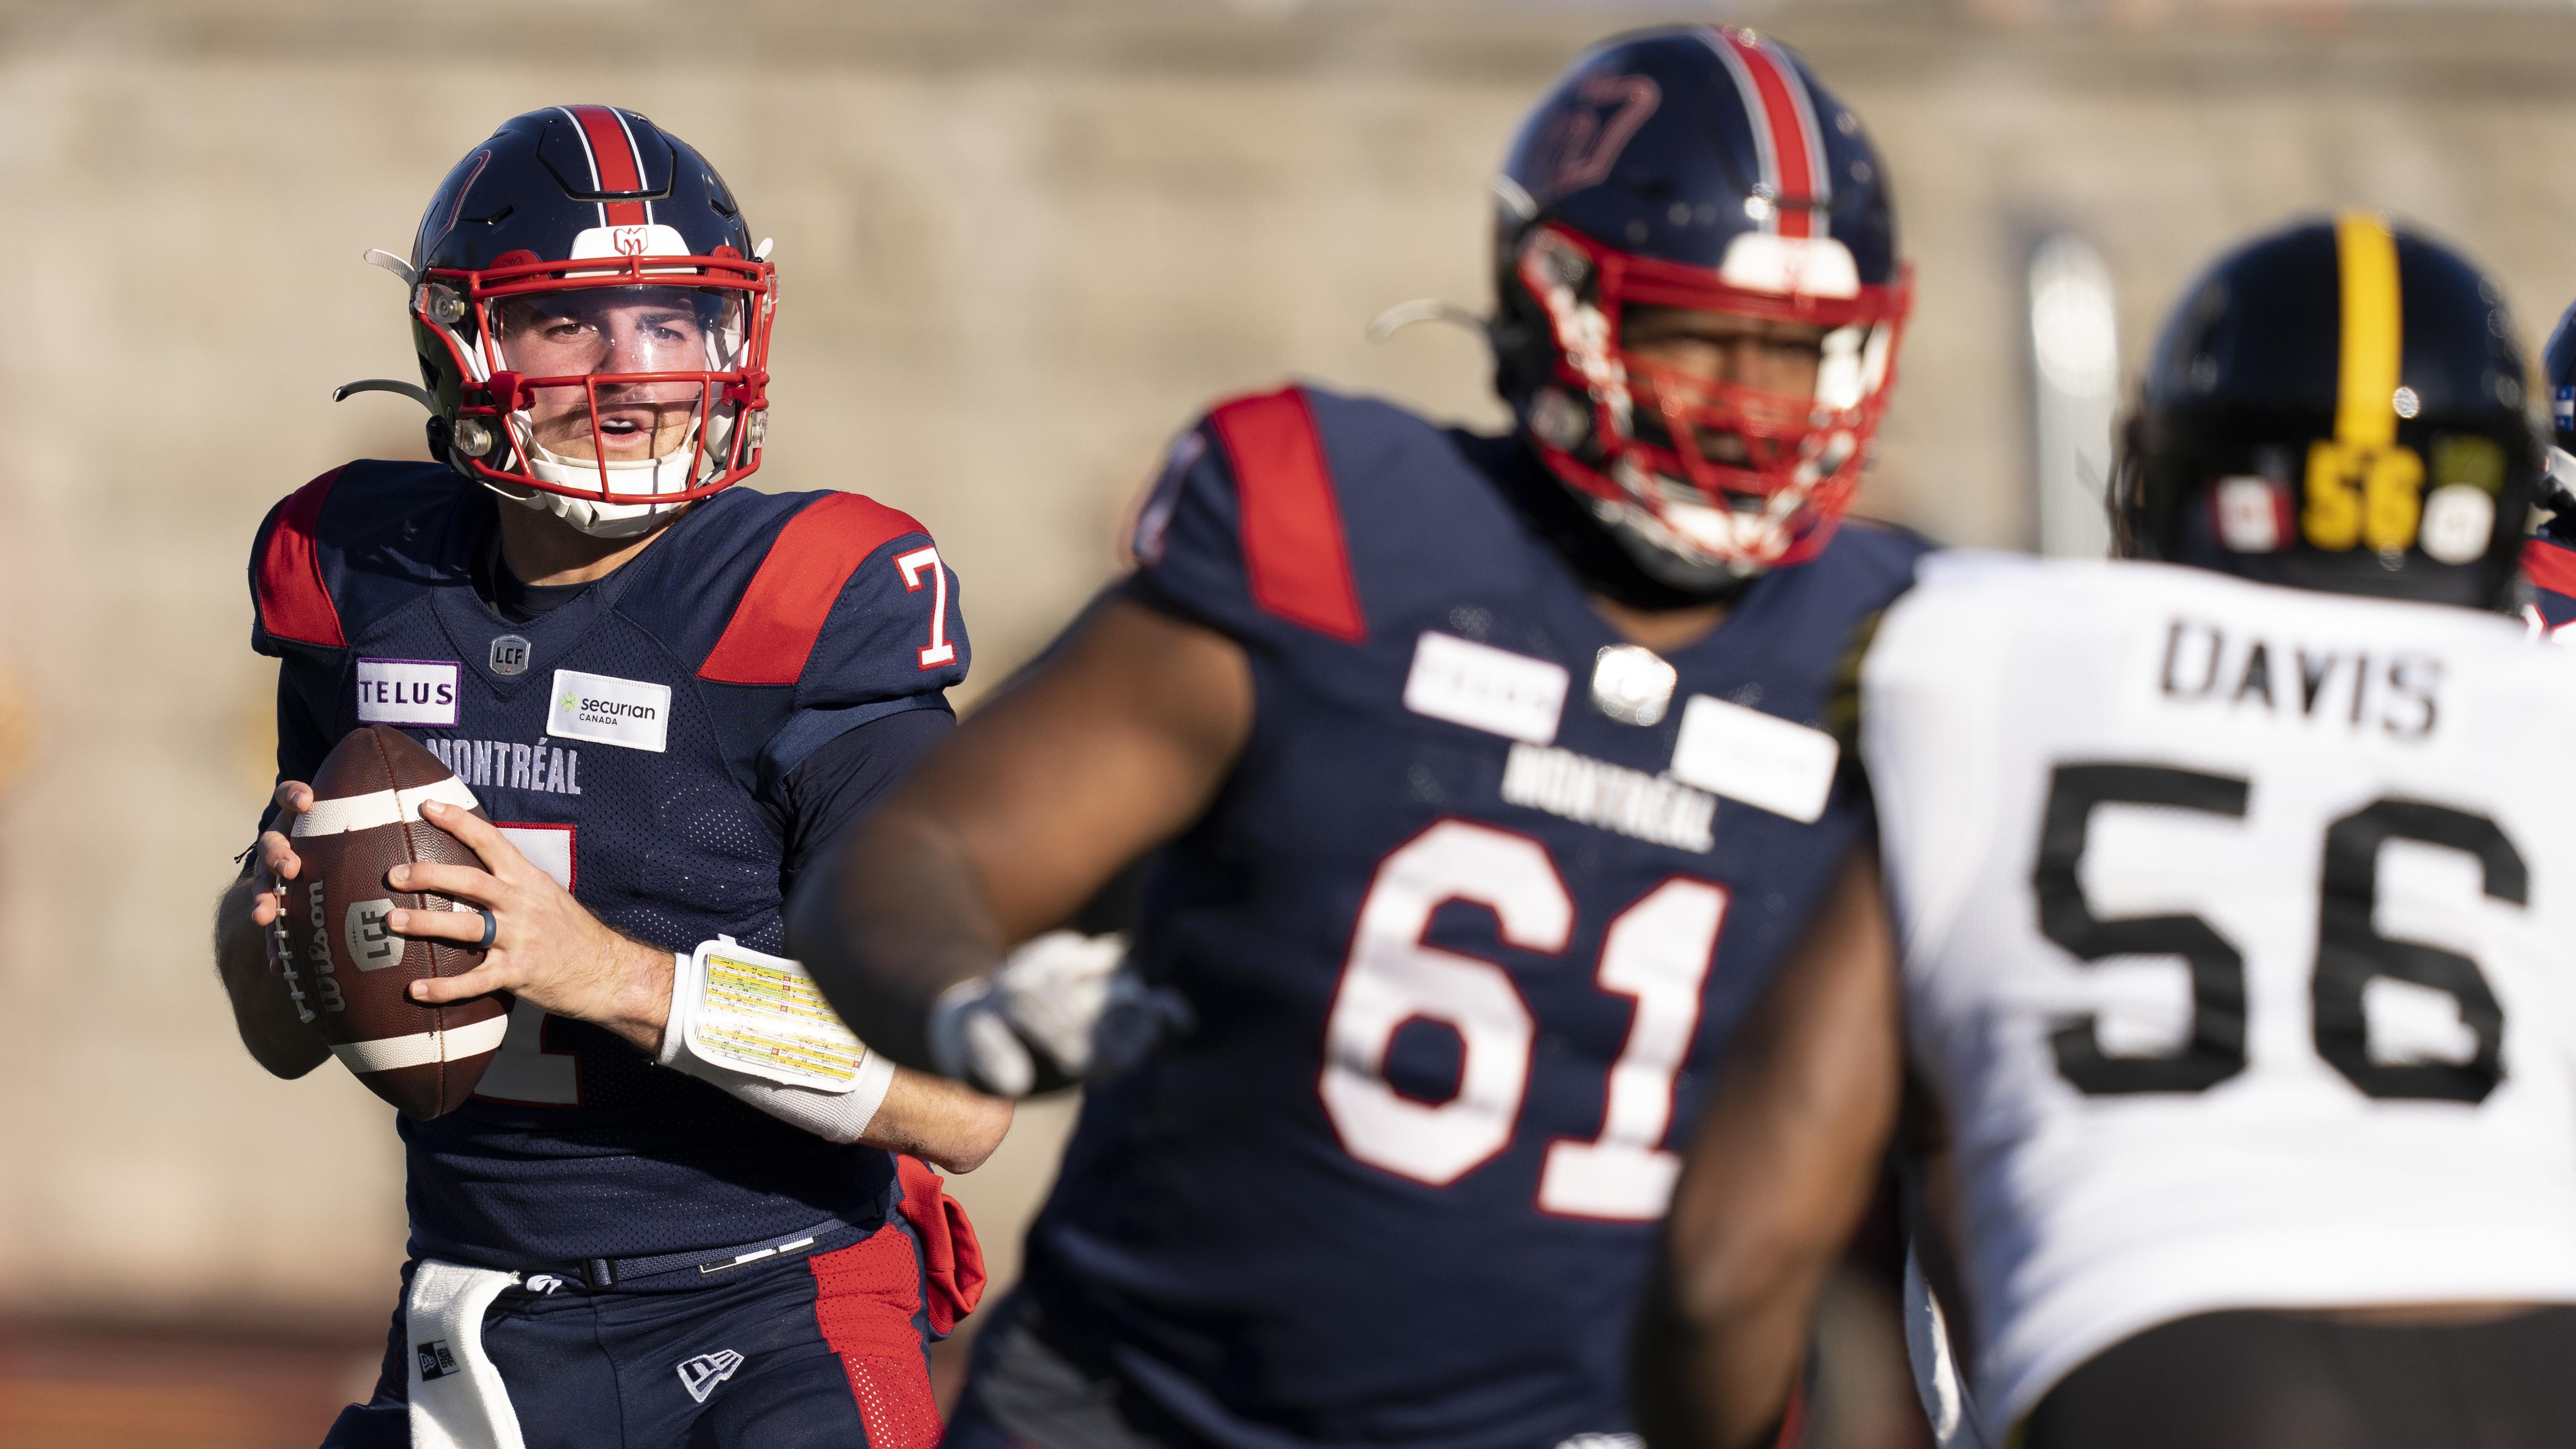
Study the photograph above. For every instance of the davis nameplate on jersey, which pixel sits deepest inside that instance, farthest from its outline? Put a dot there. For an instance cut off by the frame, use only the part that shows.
(1760, 759)
(407, 691)
(1485, 688)
(629, 713)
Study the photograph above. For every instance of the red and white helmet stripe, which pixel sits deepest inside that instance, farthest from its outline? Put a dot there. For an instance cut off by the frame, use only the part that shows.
(615, 163)
(1787, 138)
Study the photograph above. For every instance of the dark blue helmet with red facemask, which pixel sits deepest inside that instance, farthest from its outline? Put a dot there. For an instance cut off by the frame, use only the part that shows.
(1698, 167)
(592, 319)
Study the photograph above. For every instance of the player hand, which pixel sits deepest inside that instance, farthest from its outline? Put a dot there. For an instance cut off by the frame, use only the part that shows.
(277, 862)
(547, 948)
(1063, 1009)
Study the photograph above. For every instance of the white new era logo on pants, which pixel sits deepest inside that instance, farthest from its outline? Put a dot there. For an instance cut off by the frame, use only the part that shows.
(700, 1375)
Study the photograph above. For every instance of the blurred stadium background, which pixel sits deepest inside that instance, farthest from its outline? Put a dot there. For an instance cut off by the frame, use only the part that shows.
(1020, 243)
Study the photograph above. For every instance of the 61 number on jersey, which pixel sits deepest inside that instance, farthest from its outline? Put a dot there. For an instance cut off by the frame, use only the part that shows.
(1657, 951)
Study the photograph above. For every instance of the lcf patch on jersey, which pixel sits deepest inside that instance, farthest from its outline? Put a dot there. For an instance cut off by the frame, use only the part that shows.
(1462, 933)
(628, 742)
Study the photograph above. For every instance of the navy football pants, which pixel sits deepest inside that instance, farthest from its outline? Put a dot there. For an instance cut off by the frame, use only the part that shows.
(829, 1349)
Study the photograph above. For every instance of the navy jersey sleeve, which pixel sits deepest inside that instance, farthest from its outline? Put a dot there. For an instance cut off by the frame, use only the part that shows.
(845, 778)
(852, 609)
(1243, 532)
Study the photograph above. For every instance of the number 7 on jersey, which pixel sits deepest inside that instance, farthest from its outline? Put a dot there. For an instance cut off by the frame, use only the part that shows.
(914, 565)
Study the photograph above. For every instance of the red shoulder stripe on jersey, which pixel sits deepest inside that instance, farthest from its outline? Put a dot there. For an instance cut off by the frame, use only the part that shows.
(614, 162)
(774, 628)
(1293, 545)
(2550, 566)
(293, 603)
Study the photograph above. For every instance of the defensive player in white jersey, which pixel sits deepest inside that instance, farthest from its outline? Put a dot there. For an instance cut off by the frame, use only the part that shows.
(2228, 925)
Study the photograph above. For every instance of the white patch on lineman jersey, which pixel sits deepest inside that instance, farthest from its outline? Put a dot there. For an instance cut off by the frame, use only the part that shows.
(407, 691)
(1760, 759)
(606, 710)
(1485, 688)
(1593, 792)
(507, 765)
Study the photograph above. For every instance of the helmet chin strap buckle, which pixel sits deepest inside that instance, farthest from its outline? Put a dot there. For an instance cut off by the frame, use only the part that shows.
(414, 391)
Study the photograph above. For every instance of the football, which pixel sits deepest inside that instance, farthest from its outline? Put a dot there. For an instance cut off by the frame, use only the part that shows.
(336, 948)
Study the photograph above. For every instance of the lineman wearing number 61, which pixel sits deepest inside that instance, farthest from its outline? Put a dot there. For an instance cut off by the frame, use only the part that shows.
(1493, 787)
(665, 692)
(2235, 908)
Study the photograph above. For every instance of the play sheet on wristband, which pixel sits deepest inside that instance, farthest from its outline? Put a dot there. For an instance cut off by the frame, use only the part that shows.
(761, 1014)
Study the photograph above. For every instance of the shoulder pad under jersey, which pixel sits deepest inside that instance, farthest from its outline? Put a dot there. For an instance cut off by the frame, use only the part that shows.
(349, 546)
(834, 595)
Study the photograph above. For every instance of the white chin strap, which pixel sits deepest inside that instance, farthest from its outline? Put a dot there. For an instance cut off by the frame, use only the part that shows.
(669, 473)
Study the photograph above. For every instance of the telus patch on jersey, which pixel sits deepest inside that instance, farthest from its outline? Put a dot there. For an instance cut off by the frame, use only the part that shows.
(607, 710)
(1485, 688)
(407, 691)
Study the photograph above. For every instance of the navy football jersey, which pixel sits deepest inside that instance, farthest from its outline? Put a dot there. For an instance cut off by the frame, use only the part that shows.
(631, 741)
(1463, 935)
(2549, 565)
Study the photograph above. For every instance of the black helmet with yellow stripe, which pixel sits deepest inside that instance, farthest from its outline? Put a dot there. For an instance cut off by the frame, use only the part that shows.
(2338, 405)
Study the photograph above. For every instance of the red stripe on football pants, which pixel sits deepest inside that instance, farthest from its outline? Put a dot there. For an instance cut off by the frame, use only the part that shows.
(865, 1297)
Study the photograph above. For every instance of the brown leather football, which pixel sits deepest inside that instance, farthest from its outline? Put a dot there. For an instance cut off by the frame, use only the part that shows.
(354, 973)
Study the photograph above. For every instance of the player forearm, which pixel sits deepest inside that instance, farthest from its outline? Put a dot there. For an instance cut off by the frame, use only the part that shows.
(949, 1126)
(263, 1007)
(893, 919)
(1011, 824)
(1778, 1174)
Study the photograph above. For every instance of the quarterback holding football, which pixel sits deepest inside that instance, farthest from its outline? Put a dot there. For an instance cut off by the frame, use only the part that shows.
(599, 708)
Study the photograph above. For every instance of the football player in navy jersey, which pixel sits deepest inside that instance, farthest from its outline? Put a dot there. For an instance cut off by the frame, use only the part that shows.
(666, 693)
(1488, 788)
(2549, 559)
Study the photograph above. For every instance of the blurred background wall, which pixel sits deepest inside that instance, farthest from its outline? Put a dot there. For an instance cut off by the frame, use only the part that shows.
(1020, 243)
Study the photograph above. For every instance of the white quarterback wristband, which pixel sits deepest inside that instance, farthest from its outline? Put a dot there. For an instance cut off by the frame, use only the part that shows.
(754, 1025)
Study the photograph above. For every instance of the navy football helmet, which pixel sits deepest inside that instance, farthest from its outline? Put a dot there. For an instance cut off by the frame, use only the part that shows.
(592, 319)
(1697, 167)
(2558, 361)
(2338, 405)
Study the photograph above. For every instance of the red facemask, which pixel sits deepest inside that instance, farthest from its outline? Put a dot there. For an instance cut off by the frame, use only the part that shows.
(1641, 438)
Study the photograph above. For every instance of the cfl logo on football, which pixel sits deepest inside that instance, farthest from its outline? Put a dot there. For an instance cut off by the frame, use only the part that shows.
(372, 943)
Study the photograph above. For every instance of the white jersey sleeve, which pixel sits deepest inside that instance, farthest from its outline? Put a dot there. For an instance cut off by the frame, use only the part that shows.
(2239, 927)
